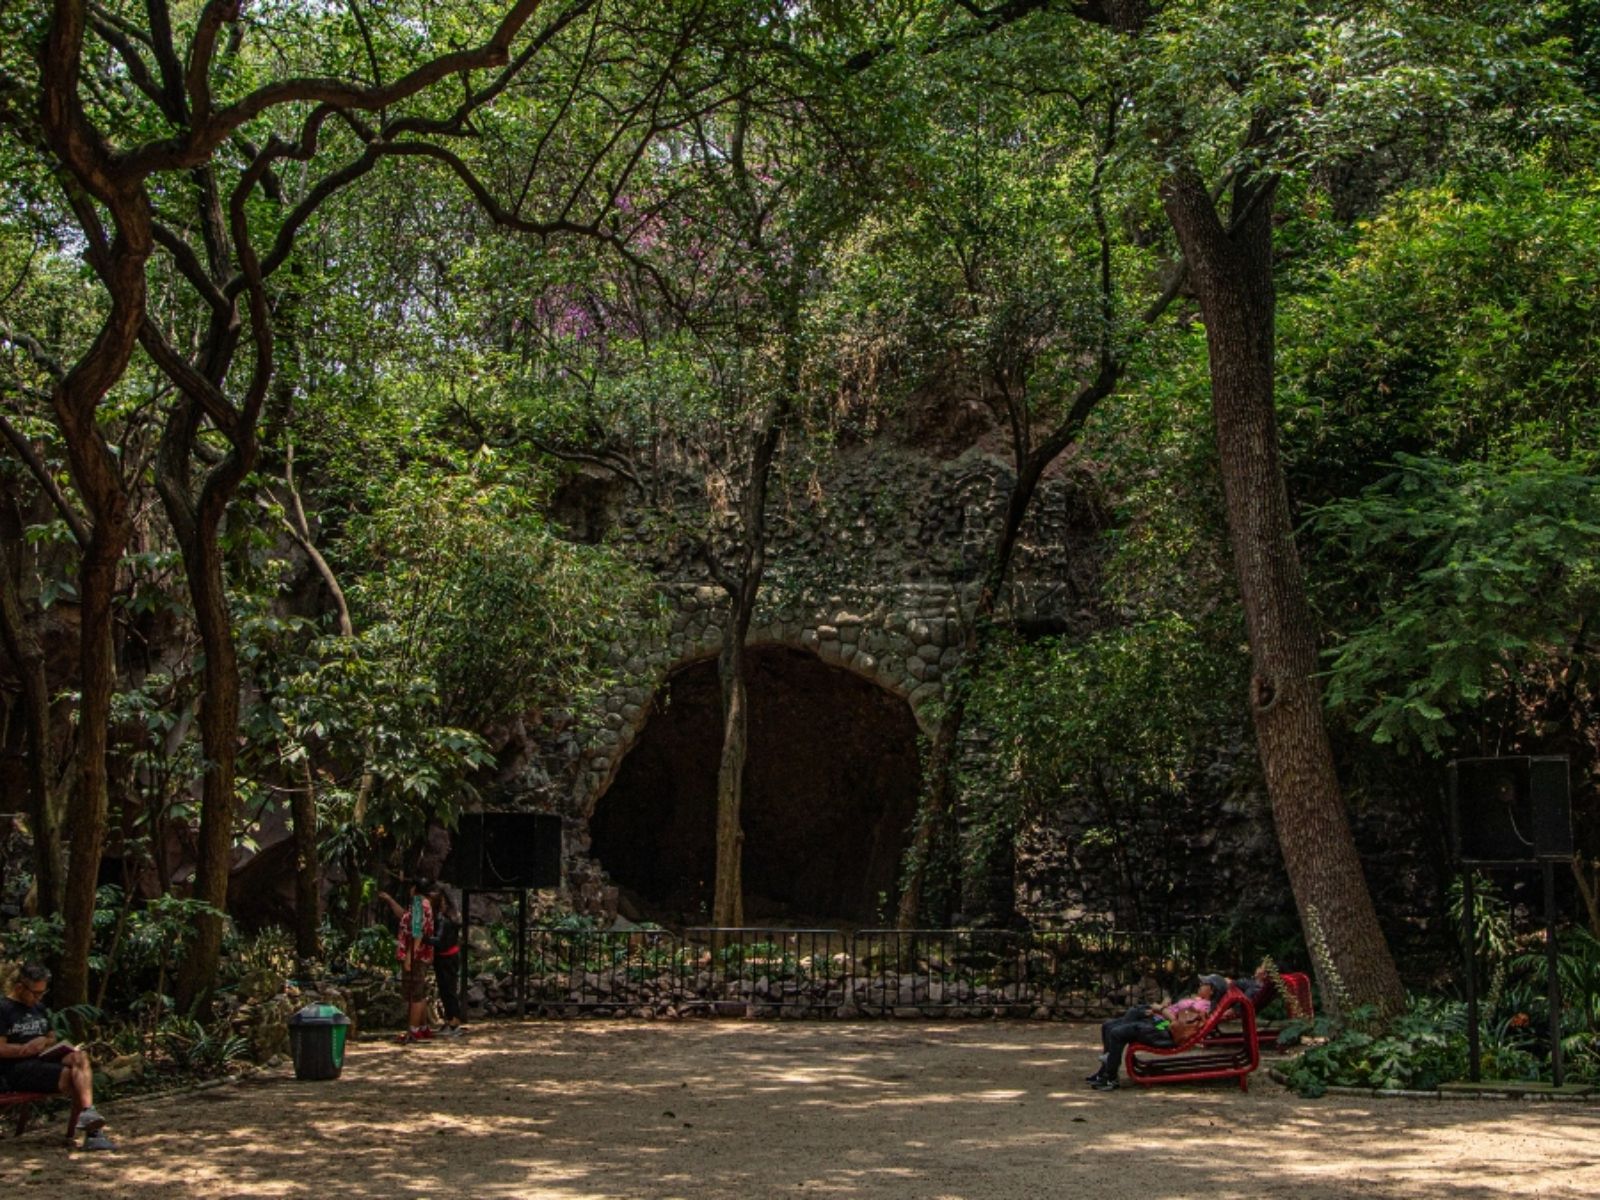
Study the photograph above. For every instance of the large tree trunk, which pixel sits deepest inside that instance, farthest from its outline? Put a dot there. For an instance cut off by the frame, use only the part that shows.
(196, 527)
(727, 907)
(86, 813)
(96, 470)
(1233, 279)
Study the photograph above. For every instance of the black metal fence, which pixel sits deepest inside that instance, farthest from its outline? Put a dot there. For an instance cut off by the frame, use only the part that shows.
(1077, 972)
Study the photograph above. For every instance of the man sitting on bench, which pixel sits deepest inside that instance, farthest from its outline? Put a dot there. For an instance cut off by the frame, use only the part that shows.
(1153, 1026)
(31, 1059)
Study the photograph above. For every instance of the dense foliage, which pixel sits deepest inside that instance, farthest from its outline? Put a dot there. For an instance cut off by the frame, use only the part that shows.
(306, 350)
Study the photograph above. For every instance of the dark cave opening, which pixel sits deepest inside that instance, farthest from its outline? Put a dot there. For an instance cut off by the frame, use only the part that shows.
(830, 792)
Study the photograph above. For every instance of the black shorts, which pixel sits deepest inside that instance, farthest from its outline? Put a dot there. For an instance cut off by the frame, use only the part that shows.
(32, 1075)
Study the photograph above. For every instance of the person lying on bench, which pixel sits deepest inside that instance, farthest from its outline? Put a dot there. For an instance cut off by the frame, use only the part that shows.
(1153, 1025)
(32, 1060)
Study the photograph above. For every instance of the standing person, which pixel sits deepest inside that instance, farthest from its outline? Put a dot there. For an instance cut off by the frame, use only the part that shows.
(415, 952)
(446, 943)
(32, 1060)
(1154, 1025)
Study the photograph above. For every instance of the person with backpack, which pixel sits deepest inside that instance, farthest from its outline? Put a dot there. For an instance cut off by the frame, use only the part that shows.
(415, 952)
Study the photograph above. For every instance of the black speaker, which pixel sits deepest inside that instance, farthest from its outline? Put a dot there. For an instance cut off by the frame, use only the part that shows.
(1550, 785)
(1512, 809)
(490, 851)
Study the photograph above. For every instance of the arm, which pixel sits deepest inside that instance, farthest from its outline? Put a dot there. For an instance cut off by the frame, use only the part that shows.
(27, 1049)
(394, 905)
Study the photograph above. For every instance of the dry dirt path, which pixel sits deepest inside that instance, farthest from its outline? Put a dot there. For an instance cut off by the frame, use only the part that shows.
(703, 1111)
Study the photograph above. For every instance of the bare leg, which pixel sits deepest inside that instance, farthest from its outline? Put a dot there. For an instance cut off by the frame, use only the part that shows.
(77, 1085)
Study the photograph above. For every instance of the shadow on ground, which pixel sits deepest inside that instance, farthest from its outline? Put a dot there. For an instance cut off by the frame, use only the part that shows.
(952, 1111)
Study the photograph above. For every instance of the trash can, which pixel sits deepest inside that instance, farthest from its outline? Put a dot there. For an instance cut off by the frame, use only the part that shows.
(316, 1039)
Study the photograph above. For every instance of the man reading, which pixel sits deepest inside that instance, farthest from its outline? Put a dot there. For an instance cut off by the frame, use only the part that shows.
(33, 1060)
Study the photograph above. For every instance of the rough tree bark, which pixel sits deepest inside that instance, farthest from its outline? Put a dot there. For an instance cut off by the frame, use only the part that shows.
(195, 525)
(1232, 270)
(93, 174)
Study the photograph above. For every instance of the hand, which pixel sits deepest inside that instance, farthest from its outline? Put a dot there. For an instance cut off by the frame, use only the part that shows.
(386, 896)
(40, 1044)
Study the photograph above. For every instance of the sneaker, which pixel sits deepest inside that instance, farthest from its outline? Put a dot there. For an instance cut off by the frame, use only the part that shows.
(405, 1039)
(422, 1035)
(1106, 1084)
(98, 1141)
(450, 1031)
(90, 1122)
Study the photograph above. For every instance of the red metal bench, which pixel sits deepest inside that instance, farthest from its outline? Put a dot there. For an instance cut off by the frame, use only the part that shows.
(1300, 1009)
(1198, 1058)
(23, 1102)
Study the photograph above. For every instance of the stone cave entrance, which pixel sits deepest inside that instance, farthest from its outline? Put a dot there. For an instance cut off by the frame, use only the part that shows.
(830, 793)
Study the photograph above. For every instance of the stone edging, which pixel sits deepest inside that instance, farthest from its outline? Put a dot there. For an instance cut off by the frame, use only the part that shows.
(1487, 1093)
(184, 1089)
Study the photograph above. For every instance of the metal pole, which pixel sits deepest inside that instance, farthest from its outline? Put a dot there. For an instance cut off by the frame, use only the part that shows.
(522, 951)
(1557, 1066)
(466, 941)
(1469, 949)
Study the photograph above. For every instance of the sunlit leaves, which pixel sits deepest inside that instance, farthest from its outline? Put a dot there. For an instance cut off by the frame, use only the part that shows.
(1488, 576)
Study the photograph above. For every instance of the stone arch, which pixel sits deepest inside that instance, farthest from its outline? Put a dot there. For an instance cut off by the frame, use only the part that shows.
(905, 639)
(831, 790)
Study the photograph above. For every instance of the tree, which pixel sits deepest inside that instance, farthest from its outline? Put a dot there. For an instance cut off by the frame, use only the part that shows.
(1027, 284)
(220, 157)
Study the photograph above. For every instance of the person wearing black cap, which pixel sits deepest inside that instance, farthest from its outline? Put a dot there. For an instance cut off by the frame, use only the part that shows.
(1154, 1025)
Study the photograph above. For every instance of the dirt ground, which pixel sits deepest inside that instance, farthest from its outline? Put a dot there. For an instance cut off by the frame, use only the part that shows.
(705, 1110)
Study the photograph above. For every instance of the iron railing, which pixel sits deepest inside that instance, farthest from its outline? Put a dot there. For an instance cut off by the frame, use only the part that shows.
(1081, 971)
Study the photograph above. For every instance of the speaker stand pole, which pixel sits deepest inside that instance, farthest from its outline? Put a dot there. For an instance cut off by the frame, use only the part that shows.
(1469, 950)
(1557, 1066)
(466, 944)
(522, 952)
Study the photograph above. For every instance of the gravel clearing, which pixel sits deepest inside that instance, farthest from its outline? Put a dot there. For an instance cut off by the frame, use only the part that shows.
(703, 1110)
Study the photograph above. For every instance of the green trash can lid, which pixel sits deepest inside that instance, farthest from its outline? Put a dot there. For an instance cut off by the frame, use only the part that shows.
(319, 1014)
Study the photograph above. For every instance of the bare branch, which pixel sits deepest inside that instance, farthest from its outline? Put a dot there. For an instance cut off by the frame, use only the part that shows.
(189, 265)
(211, 129)
(189, 381)
(46, 481)
(197, 79)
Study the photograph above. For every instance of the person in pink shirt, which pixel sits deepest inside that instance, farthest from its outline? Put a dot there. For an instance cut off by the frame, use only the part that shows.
(1154, 1025)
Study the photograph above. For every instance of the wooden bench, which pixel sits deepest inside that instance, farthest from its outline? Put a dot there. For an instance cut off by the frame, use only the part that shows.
(1198, 1057)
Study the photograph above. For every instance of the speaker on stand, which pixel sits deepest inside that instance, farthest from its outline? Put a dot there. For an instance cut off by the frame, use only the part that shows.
(1511, 811)
(494, 852)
